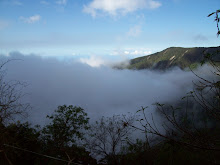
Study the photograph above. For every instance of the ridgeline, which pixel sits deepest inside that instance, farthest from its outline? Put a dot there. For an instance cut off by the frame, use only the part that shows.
(175, 57)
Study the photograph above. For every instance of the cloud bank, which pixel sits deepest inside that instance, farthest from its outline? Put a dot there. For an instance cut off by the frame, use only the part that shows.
(115, 7)
(101, 91)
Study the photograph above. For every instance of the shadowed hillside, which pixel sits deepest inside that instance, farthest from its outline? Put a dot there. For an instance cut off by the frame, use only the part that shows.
(174, 56)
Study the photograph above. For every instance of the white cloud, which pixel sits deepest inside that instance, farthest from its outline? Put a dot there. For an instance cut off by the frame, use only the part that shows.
(3, 24)
(126, 52)
(153, 4)
(92, 61)
(115, 7)
(100, 91)
(132, 52)
(134, 31)
(140, 52)
(44, 2)
(31, 19)
(61, 2)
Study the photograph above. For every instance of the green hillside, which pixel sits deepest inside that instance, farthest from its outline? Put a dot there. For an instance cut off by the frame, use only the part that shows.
(174, 56)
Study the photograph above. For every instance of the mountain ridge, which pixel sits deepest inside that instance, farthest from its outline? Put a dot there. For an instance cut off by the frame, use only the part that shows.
(174, 57)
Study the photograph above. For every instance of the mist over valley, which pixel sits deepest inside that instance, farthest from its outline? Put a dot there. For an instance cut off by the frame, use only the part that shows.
(101, 91)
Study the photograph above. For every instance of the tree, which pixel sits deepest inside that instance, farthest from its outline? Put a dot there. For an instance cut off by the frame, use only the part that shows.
(196, 129)
(11, 93)
(108, 136)
(22, 136)
(207, 91)
(216, 19)
(65, 131)
(66, 126)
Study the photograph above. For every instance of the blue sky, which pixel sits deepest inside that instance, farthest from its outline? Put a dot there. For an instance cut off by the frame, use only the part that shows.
(128, 28)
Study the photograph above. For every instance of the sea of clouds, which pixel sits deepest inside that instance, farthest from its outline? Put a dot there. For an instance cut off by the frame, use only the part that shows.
(101, 91)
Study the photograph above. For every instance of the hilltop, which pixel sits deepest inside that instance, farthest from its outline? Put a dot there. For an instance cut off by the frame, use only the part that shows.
(173, 57)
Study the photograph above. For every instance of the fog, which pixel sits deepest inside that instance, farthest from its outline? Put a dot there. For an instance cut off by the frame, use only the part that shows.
(101, 91)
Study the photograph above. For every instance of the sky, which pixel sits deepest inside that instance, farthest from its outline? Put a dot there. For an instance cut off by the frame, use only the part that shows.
(105, 28)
